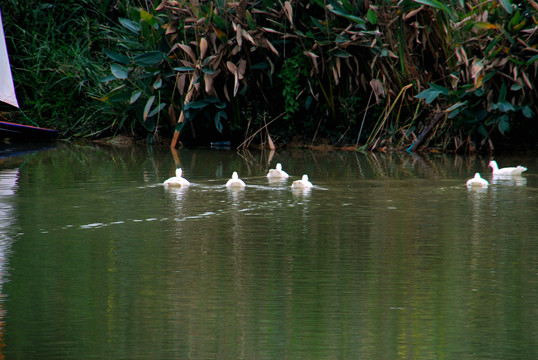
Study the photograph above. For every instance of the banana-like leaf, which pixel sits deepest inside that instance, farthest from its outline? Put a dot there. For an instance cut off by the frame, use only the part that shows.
(130, 25)
(119, 71)
(147, 108)
(122, 59)
(157, 109)
(135, 96)
(149, 58)
(432, 93)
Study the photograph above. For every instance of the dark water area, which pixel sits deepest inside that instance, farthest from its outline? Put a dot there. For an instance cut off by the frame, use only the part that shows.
(388, 256)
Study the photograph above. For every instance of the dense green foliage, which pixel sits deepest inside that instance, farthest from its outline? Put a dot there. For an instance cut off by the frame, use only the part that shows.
(373, 73)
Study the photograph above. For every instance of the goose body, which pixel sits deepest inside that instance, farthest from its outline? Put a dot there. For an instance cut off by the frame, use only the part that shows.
(235, 182)
(302, 184)
(177, 180)
(277, 173)
(507, 170)
(477, 181)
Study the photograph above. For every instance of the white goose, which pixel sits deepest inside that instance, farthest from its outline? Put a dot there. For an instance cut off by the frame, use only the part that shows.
(507, 171)
(477, 181)
(177, 180)
(235, 182)
(302, 184)
(277, 173)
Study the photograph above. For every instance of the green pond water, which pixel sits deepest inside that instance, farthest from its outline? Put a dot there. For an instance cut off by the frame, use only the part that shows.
(389, 256)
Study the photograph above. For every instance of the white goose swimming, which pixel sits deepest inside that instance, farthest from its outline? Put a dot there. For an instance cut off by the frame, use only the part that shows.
(235, 181)
(507, 171)
(302, 184)
(277, 173)
(177, 180)
(477, 181)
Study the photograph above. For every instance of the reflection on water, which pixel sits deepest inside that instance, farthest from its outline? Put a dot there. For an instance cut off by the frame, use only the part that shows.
(8, 184)
(388, 256)
(514, 180)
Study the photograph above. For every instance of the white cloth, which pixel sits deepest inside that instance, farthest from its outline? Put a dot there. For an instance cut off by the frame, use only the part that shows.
(7, 90)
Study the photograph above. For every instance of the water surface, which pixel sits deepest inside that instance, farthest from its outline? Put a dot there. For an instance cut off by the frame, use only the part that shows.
(389, 256)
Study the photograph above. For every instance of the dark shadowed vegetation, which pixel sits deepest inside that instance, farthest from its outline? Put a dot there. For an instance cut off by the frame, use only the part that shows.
(372, 75)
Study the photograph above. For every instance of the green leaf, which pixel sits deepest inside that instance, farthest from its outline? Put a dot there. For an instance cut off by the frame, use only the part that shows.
(196, 104)
(532, 59)
(122, 59)
(527, 112)
(149, 58)
(108, 78)
(482, 131)
(432, 93)
(130, 25)
(371, 16)
(360, 21)
(148, 107)
(308, 102)
(218, 123)
(456, 106)
(209, 71)
(157, 109)
(150, 19)
(263, 65)
(116, 95)
(341, 53)
(505, 106)
(502, 93)
(503, 124)
(435, 4)
(119, 71)
(318, 24)
(183, 68)
(158, 83)
(135, 96)
(507, 6)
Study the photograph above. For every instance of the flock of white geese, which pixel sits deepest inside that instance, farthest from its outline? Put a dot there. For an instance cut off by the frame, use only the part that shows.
(236, 183)
(478, 182)
(277, 173)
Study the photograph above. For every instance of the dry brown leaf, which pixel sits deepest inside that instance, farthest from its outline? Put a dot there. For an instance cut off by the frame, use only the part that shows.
(172, 115)
(313, 57)
(235, 50)
(412, 13)
(247, 36)
(208, 81)
(203, 48)
(226, 93)
(377, 88)
(241, 68)
(238, 35)
(171, 28)
(236, 82)
(526, 78)
(188, 51)
(231, 66)
(270, 142)
(271, 47)
(180, 83)
(271, 65)
(338, 65)
(162, 5)
(289, 11)
(335, 75)
(271, 30)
